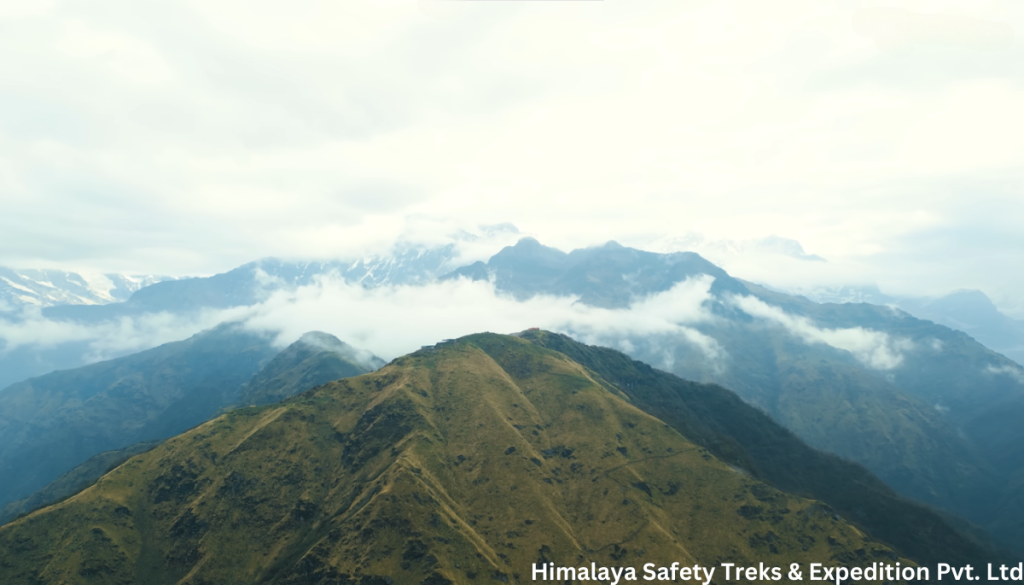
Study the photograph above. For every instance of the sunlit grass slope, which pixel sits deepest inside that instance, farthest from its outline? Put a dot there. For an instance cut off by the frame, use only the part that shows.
(745, 436)
(460, 464)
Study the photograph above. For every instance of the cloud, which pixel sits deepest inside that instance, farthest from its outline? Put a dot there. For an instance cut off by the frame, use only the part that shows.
(236, 130)
(899, 29)
(393, 320)
(872, 348)
(1015, 372)
(109, 339)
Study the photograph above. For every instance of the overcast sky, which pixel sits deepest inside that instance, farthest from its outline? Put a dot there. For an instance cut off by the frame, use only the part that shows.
(191, 136)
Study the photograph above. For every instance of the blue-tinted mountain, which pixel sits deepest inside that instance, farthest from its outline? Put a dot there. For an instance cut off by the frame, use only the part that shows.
(52, 423)
(124, 395)
(255, 281)
(970, 311)
(315, 359)
(242, 286)
(609, 276)
(73, 481)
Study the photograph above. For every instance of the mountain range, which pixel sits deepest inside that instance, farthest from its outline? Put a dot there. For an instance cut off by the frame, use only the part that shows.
(970, 311)
(473, 460)
(926, 407)
(47, 288)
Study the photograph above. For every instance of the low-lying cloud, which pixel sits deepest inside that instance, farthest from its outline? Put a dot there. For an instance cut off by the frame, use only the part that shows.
(1015, 372)
(390, 321)
(107, 339)
(872, 348)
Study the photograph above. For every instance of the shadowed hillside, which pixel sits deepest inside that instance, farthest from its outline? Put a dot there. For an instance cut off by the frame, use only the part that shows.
(50, 424)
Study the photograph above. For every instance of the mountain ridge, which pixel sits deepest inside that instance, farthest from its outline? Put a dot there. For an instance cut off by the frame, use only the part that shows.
(449, 465)
(925, 407)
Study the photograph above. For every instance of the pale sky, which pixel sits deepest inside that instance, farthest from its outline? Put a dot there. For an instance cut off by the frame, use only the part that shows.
(189, 137)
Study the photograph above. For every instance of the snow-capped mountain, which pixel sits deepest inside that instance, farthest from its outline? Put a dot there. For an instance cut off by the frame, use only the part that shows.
(46, 288)
(254, 282)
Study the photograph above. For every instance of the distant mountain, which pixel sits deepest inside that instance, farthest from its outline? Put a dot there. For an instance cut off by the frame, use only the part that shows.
(970, 311)
(125, 387)
(243, 286)
(926, 408)
(315, 359)
(254, 282)
(74, 481)
(464, 463)
(50, 424)
(609, 276)
(47, 288)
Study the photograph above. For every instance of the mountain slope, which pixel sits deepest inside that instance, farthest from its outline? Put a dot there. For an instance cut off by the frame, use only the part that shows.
(742, 435)
(315, 359)
(970, 311)
(50, 424)
(460, 464)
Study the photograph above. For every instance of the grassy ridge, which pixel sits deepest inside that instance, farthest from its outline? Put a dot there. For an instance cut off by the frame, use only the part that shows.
(457, 465)
(742, 435)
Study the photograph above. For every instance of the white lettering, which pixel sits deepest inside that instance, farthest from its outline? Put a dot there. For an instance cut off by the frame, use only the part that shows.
(543, 570)
(649, 574)
(815, 572)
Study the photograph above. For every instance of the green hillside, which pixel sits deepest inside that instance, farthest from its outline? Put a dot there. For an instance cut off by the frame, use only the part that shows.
(742, 435)
(461, 464)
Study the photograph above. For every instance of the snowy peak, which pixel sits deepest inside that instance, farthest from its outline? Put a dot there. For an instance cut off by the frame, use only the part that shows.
(46, 288)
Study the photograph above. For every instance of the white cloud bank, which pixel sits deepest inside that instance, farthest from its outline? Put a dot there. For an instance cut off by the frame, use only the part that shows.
(872, 348)
(392, 321)
(108, 339)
